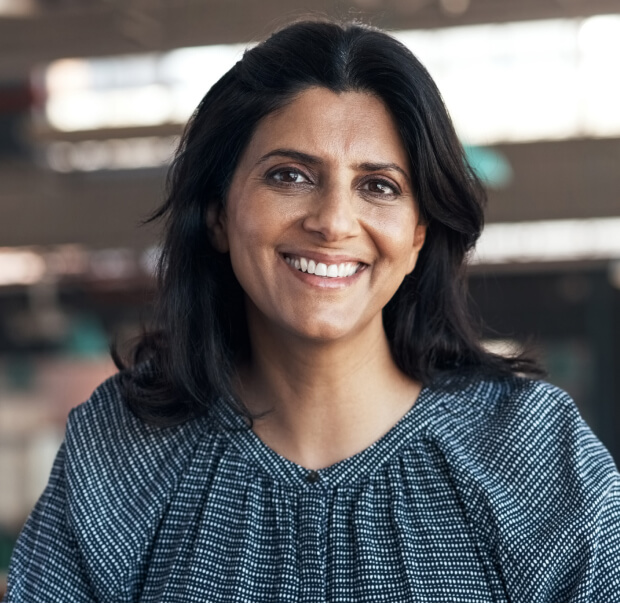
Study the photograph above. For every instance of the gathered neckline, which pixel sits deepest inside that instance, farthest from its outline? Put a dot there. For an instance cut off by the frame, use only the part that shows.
(351, 470)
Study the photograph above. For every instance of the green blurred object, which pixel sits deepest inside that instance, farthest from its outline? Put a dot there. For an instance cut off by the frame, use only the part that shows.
(87, 338)
(7, 543)
(490, 166)
(20, 372)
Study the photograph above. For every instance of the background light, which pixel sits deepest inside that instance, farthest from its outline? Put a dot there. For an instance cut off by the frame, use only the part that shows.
(526, 81)
(549, 240)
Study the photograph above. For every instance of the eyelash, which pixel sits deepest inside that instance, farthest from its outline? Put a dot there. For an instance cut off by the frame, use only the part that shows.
(274, 174)
(395, 189)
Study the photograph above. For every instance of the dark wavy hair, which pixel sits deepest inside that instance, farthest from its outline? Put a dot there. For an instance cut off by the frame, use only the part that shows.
(199, 331)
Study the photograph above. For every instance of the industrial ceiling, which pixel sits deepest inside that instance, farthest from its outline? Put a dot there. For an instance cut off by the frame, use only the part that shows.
(34, 31)
(562, 179)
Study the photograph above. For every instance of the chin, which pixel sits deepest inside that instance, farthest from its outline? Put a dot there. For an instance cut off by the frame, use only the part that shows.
(327, 335)
(327, 331)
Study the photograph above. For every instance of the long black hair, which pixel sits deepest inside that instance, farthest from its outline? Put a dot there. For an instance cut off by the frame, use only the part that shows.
(199, 330)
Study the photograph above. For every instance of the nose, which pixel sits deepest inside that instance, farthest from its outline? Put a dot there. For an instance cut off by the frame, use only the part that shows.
(333, 214)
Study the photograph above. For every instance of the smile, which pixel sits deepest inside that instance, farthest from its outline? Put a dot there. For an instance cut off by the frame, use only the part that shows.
(321, 269)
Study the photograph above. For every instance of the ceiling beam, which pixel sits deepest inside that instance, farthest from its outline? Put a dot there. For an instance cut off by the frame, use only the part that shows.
(111, 27)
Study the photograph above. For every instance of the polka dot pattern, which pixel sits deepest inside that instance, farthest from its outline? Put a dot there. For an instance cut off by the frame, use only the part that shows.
(495, 492)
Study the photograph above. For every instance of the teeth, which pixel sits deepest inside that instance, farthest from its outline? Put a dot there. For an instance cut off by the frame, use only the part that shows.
(345, 269)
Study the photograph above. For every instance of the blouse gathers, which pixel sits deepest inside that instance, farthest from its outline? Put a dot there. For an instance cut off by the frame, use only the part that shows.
(495, 492)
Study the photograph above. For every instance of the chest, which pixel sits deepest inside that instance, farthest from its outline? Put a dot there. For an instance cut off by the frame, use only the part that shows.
(374, 544)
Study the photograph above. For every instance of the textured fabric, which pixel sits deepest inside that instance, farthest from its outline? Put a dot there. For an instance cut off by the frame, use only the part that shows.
(496, 492)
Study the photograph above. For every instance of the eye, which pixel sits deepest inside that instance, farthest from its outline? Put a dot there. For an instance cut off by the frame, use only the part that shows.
(288, 176)
(381, 188)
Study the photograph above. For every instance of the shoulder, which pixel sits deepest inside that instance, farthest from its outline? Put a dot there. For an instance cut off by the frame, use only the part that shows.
(517, 414)
(525, 432)
(104, 429)
(112, 484)
(504, 395)
(121, 473)
(534, 481)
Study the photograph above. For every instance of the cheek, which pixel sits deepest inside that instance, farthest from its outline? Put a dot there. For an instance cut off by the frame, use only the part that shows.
(247, 227)
(397, 237)
(253, 233)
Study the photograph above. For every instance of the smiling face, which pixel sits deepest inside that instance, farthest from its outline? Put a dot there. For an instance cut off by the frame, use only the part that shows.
(320, 219)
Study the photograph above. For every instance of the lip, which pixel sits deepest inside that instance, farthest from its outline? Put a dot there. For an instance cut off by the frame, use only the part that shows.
(324, 282)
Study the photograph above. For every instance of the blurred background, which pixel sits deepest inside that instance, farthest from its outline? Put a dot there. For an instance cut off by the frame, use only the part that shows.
(93, 96)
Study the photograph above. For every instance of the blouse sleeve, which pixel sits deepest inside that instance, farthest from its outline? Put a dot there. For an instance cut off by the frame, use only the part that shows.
(46, 565)
(601, 582)
(540, 491)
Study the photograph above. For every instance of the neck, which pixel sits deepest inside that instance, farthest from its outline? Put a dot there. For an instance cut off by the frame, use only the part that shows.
(324, 401)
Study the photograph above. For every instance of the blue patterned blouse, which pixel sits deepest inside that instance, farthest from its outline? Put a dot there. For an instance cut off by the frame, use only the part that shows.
(497, 492)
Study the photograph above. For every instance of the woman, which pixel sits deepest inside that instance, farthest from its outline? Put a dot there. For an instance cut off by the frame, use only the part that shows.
(314, 419)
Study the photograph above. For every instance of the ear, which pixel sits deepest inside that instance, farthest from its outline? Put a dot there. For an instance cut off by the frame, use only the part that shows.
(419, 236)
(217, 227)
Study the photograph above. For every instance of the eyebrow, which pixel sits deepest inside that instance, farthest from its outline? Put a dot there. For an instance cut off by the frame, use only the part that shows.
(375, 167)
(313, 160)
(298, 155)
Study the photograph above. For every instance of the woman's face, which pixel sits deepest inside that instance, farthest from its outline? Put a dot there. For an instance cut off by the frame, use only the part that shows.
(320, 220)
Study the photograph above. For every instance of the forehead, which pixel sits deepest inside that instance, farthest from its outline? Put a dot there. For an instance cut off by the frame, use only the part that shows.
(351, 126)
